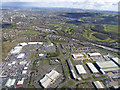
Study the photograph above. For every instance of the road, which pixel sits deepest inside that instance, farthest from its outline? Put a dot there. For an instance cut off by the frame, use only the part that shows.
(68, 78)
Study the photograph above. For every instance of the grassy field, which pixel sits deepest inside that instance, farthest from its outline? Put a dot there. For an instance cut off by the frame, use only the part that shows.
(111, 28)
(28, 32)
(70, 83)
(89, 35)
(55, 24)
(6, 47)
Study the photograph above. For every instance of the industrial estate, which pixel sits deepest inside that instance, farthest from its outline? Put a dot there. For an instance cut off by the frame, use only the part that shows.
(97, 69)
(59, 48)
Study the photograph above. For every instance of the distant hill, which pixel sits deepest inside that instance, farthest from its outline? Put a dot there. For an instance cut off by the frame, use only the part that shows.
(15, 4)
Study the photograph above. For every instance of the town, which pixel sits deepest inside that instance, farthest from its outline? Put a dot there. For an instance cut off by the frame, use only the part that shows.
(59, 48)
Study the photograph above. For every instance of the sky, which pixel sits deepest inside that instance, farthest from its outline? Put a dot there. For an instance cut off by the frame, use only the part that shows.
(111, 5)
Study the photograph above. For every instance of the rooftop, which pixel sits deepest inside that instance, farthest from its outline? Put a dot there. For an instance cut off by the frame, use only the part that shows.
(92, 67)
(106, 64)
(80, 69)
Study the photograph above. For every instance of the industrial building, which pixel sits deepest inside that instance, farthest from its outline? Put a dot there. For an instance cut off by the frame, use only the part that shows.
(16, 50)
(76, 56)
(107, 66)
(33, 43)
(116, 60)
(21, 56)
(92, 68)
(80, 69)
(10, 82)
(98, 84)
(22, 44)
(21, 82)
(41, 55)
(13, 62)
(25, 68)
(94, 54)
(71, 68)
(49, 78)
(24, 72)
(23, 62)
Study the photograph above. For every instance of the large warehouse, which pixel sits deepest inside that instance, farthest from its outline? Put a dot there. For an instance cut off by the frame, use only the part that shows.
(116, 60)
(107, 66)
(98, 84)
(94, 54)
(49, 78)
(80, 69)
(92, 68)
(16, 50)
(10, 82)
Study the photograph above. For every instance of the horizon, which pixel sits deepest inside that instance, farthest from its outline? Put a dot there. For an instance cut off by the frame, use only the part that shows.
(67, 4)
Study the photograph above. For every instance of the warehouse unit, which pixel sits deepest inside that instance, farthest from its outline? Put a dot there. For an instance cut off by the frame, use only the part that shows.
(16, 50)
(49, 78)
(21, 56)
(80, 69)
(53, 74)
(107, 66)
(116, 60)
(92, 68)
(22, 44)
(10, 82)
(71, 68)
(33, 43)
(94, 54)
(75, 56)
(46, 81)
(98, 84)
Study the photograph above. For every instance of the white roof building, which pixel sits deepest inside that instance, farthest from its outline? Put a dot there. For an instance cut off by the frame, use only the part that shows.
(23, 44)
(10, 82)
(21, 56)
(49, 78)
(77, 55)
(92, 68)
(98, 84)
(94, 54)
(40, 43)
(116, 60)
(81, 69)
(20, 82)
(41, 55)
(16, 50)
(35, 43)
(24, 72)
(23, 62)
(25, 68)
(18, 47)
(73, 74)
(53, 74)
(13, 62)
(107, 66)
(13, 82)
(46, 81)
(9, 64)
(102, 71)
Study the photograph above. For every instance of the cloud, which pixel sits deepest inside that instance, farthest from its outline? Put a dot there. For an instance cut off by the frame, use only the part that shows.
(83, 4)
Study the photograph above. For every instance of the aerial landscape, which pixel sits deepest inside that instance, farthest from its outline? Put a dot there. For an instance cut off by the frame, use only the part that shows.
(59, 47)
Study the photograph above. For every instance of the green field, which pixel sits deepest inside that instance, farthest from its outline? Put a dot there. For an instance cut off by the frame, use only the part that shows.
(70, 83)
(111, 28)
(28, 32)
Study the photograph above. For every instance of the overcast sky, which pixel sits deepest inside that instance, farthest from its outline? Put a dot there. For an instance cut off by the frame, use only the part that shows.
(83, 4)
